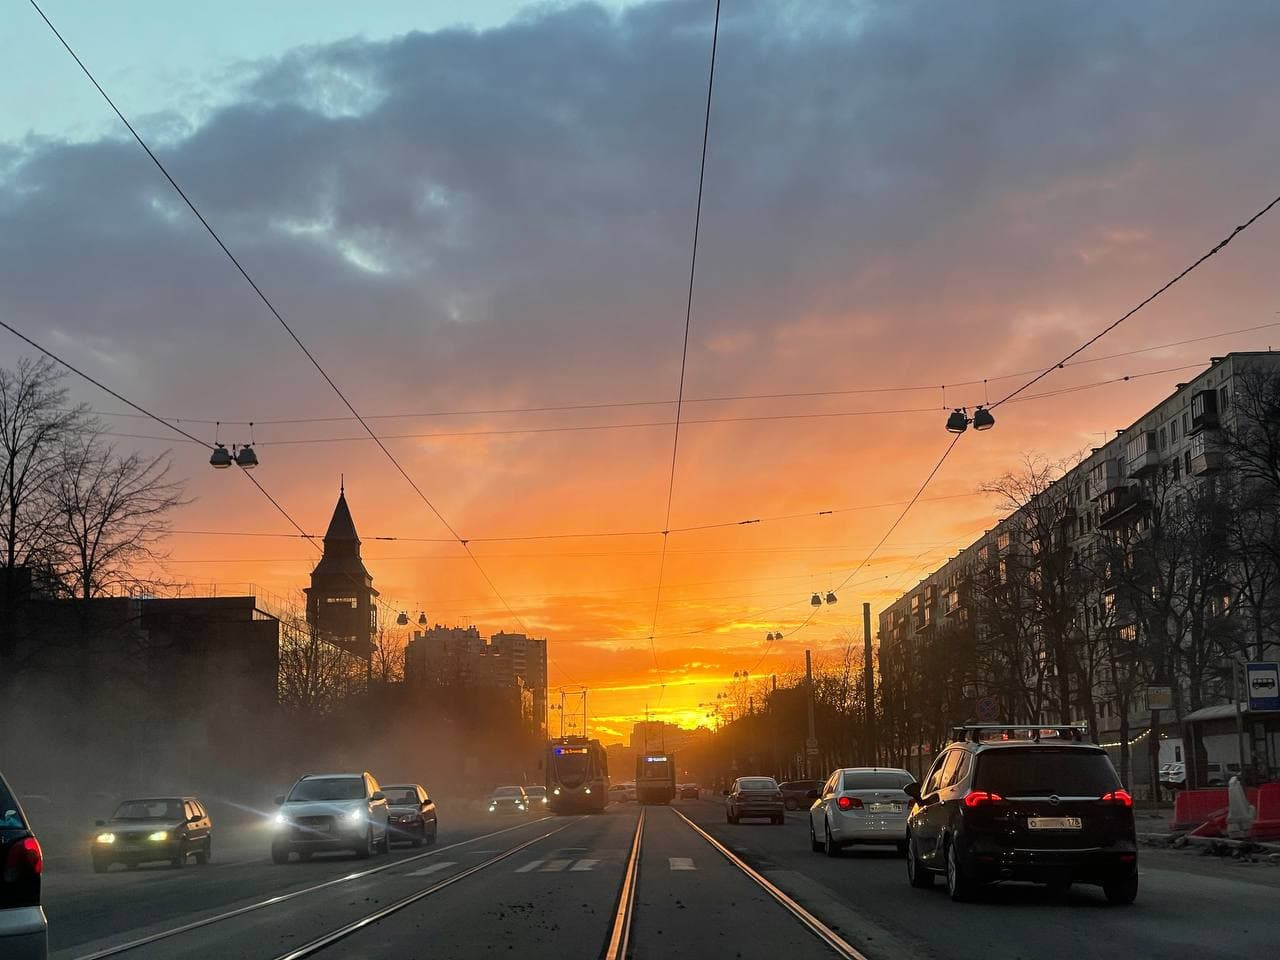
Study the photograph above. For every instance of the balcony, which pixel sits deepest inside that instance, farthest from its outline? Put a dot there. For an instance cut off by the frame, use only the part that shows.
(1141, 455)
(1104, 478)
(1206, 456)
(1120, 507)
(1204, 411)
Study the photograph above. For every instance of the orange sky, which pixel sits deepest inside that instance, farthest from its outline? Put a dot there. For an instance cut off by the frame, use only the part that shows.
(461, 221)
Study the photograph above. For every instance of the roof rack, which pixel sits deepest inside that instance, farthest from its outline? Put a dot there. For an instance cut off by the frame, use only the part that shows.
(974, 731)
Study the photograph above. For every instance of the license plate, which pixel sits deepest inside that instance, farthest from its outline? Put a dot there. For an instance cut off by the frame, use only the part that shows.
(885, 807)
(1053, 823)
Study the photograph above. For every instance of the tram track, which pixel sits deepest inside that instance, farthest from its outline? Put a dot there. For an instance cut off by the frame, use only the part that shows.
(226, 915)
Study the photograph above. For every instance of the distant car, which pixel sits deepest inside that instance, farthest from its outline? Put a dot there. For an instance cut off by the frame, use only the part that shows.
(623, 792)
(860, 805)
(411, 813)
(755, 797)
(24, 931)
(1048, 810)
(509, 800)
(1173, 775)
(151, 829)
(537, 799)
(800, 794)
(335, 811)
(1220, 774)
(688, 791)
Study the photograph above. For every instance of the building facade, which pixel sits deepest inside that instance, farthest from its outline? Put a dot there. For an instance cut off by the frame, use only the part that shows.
(1104, 586)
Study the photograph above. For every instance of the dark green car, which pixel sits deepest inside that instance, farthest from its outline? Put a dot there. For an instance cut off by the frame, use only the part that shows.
(153, 829)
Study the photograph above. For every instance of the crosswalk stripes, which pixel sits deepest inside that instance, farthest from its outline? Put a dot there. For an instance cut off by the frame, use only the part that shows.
(583, 865)
(571, 866)
(681, 863)
(433, 868)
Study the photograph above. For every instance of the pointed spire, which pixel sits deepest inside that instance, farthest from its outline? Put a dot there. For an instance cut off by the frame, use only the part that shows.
(341, 526)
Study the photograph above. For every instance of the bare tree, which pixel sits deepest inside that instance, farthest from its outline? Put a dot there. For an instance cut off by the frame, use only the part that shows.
(111, 512)
(316, 676)
(387, 655)
(36, 423)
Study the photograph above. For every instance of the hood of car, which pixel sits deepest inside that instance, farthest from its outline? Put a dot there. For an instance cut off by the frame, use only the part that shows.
(320, 808)
(141, 826)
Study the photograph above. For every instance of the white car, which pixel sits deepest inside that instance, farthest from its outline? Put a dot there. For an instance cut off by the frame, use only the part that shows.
(335, 811)
(860, 805)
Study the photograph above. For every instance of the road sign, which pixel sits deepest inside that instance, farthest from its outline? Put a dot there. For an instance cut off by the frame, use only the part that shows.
(811, 746)
(1160, 698)
(1262, 683)
(987, 709)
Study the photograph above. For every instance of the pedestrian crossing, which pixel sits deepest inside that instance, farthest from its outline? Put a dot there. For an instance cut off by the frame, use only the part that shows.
(433, 868)
(584, 865)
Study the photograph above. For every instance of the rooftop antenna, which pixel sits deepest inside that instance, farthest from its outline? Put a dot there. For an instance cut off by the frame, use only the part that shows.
(342, 484)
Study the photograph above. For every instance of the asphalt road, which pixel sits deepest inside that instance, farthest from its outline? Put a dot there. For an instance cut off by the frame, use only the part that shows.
(549, 887)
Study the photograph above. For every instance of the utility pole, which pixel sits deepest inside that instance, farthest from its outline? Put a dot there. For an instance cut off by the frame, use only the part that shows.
(811, 745)
(869, 686)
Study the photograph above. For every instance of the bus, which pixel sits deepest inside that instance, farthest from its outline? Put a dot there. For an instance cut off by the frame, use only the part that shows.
(655, 777)
(577, 775)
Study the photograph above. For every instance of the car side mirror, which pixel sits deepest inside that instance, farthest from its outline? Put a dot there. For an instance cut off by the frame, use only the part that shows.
(912, 790)
(279, 800)
(99, 823)
(378, 795)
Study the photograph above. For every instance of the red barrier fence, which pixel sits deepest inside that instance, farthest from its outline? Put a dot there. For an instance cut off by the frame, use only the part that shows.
(1204, 812)
(1193, 807)
(1267, 803)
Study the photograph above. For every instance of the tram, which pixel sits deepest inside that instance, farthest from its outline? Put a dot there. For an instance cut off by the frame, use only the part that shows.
(577, 775)
(656, 777)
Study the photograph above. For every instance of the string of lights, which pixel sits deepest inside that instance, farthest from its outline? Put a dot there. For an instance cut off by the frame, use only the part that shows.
(624, 404)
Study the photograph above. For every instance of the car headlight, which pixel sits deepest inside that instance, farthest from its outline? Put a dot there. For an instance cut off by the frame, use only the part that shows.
(556, 791)
(105, 838)
(544, 799)
(281, 820)
(493, 807)
(588, 790)
(354, 815)
(159, 835)
(519, 806)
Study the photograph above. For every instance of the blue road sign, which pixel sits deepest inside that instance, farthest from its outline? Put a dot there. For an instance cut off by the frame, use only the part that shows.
(1262, 680)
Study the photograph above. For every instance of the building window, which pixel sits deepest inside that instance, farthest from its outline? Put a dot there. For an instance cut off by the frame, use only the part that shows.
(1173, 430)
(1186, 422)
(1186, 460)
(1164, 438)
(1224, 398)
(343, 601)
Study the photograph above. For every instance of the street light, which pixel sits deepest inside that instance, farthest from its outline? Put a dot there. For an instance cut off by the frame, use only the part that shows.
(831, 597)
(982, 419)
(959, 419)
(246, 459)
(816, 601)
(958, 422)
(221, 458)
(403, 619)
(422, 619)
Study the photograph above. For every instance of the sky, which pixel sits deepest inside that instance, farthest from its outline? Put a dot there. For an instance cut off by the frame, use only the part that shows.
(470, 210)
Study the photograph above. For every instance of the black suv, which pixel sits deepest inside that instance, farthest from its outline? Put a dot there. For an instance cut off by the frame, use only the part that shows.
(1043, 808)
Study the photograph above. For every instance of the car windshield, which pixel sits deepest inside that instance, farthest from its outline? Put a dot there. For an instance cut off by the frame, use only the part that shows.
(757, 783)
(1045, 771)
(508, 792)
(876, 779)
(149, 810)
(327, 788)
(401, 796)
(536, 791)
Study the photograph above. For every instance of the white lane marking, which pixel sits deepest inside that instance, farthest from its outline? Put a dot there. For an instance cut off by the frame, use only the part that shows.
(554, 866)
(432, 869)
(583, 865)
(530, 866)
(681, 863)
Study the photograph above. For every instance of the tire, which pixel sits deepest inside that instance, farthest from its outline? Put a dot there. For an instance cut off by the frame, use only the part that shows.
(902, 848)
(814, 843)
(959, 887)
(365, 850)
(1121, 891)
(791, 804)
(304, 856)
(180, 860)
(100, 866)
(279, 853)
(779, 821)
(918, 875)
(435, 831)
(205, 853)
(384, 845)
(421, 838)
(829, 846)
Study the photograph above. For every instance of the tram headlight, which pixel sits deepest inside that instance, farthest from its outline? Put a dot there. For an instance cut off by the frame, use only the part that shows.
(493, 807)
(544, 799)
(556, 791)
(588, 790)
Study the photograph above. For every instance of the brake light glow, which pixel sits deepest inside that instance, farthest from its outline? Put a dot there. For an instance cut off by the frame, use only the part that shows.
(849, 803)
(976, 798)
(1122, 797)
(25, 856)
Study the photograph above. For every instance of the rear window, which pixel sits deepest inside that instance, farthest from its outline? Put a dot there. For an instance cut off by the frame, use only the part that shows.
(10, 818)
(1042, 772)
(877, 780)
(401, 796)
(757, 783)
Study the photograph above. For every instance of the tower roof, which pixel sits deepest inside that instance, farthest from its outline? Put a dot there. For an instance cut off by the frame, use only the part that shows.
(341, 526)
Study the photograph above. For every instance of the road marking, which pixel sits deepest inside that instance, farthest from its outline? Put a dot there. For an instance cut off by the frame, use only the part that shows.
(530, 866)
(554, 866)
(583, 865)
(620, 935)
(681, 863)
(432, 869)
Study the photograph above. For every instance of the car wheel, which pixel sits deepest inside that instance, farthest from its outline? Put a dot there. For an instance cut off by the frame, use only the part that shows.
(365, 850)
(435, 831)
(279, 853)
(814, 845)
(829, 846)
(385, 845)
(791, 804)
(779, 821)
(181, 859)
(1122, 891)
(205, 853)
(918, 875)
(305, 855)
(100, 865)
(902, 848)
(421, 838)
(959, 887)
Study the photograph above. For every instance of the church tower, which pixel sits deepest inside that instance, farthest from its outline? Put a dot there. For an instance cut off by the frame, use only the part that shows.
(340, 600)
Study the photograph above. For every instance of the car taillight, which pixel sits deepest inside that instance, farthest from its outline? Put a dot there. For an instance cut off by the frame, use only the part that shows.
(25, 857)
(1122, 797)
(976, 798)
(849, 803)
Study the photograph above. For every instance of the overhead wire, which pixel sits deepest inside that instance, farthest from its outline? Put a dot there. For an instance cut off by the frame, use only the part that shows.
(277, 314)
